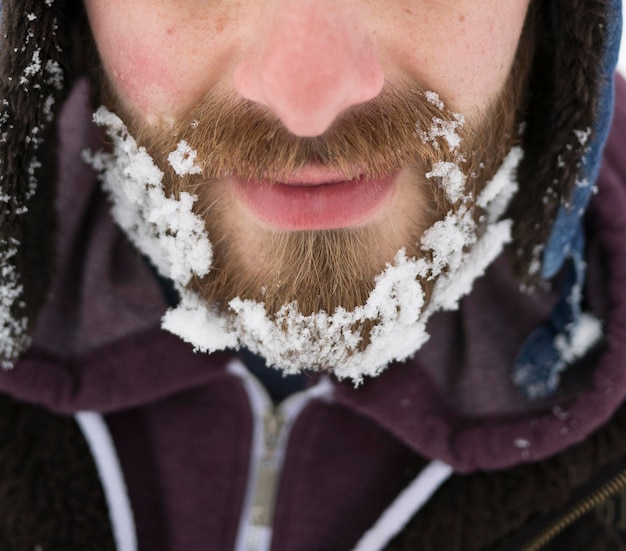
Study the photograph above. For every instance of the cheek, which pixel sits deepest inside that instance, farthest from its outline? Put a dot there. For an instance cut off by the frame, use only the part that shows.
(163, 57)
(162, 60)
(474, 69)
(462, 53)
(150, 85)
(141, 83)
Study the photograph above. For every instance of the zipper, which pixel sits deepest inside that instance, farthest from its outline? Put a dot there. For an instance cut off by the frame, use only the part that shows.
(576, 511)
(258, 531)
(272, 427)
(264, 501)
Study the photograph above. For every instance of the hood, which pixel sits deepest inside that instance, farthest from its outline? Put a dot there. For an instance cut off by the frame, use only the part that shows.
(569, 113)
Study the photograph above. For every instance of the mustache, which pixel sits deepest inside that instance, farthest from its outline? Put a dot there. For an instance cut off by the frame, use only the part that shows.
(235, 137)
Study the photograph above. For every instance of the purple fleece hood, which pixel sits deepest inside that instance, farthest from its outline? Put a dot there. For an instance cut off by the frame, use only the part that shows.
(104, 299)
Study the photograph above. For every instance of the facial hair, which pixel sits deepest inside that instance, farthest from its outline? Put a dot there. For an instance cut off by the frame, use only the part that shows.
(323, 271)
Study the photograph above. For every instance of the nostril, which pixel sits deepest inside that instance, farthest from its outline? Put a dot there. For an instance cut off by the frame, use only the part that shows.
(310, 65)
(308, 100)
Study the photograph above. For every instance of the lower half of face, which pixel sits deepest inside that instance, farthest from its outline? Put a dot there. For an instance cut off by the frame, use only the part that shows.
(314, 220)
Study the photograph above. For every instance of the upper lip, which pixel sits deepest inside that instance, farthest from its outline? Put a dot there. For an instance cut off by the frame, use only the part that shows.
(312, 175)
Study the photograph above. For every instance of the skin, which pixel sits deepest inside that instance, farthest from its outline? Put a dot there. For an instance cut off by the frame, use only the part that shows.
(307, 61)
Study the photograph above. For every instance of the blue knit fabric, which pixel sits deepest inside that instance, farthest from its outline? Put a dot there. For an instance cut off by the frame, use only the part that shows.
(540, 361)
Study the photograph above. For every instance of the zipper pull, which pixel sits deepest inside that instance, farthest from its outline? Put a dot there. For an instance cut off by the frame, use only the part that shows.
(267, 478)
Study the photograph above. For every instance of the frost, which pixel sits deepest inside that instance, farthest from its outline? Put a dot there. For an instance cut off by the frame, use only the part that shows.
(54, 74)
(560, 413)
(12, 329)
(582, 182)
(30, 35)
(499, 191)
(433, 99)
(452, 179)
(447, 239)
(447, 130)
(183, 160)
(453, 287)
(535, 264)
(165, 229)
(570, 345)
(33, 68)
(204, 328)
(175, 239)
(583, 136)
(586, 333)
(47, 108)
(33, 165)
(292, 341)
(521, 443)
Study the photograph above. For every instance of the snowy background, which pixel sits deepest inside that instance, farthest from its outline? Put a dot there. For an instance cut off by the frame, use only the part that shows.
(622, 53)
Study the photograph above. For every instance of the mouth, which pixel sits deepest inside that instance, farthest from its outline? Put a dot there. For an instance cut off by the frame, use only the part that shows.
(316, 198)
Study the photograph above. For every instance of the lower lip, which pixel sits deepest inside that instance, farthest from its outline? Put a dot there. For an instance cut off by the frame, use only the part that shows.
(316, 206)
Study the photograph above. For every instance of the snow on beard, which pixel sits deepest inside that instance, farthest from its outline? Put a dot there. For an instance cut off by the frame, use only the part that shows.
(319, 300)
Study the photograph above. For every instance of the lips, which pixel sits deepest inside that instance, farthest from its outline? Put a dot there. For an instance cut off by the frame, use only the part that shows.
(315, 199)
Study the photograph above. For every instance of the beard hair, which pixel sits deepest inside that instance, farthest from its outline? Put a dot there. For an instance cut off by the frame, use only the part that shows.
(325, 269)
(328, 269)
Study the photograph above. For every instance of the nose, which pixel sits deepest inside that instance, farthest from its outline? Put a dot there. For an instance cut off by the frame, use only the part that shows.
(309, 61)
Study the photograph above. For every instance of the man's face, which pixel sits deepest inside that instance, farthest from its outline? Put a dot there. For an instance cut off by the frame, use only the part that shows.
(313, 129)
